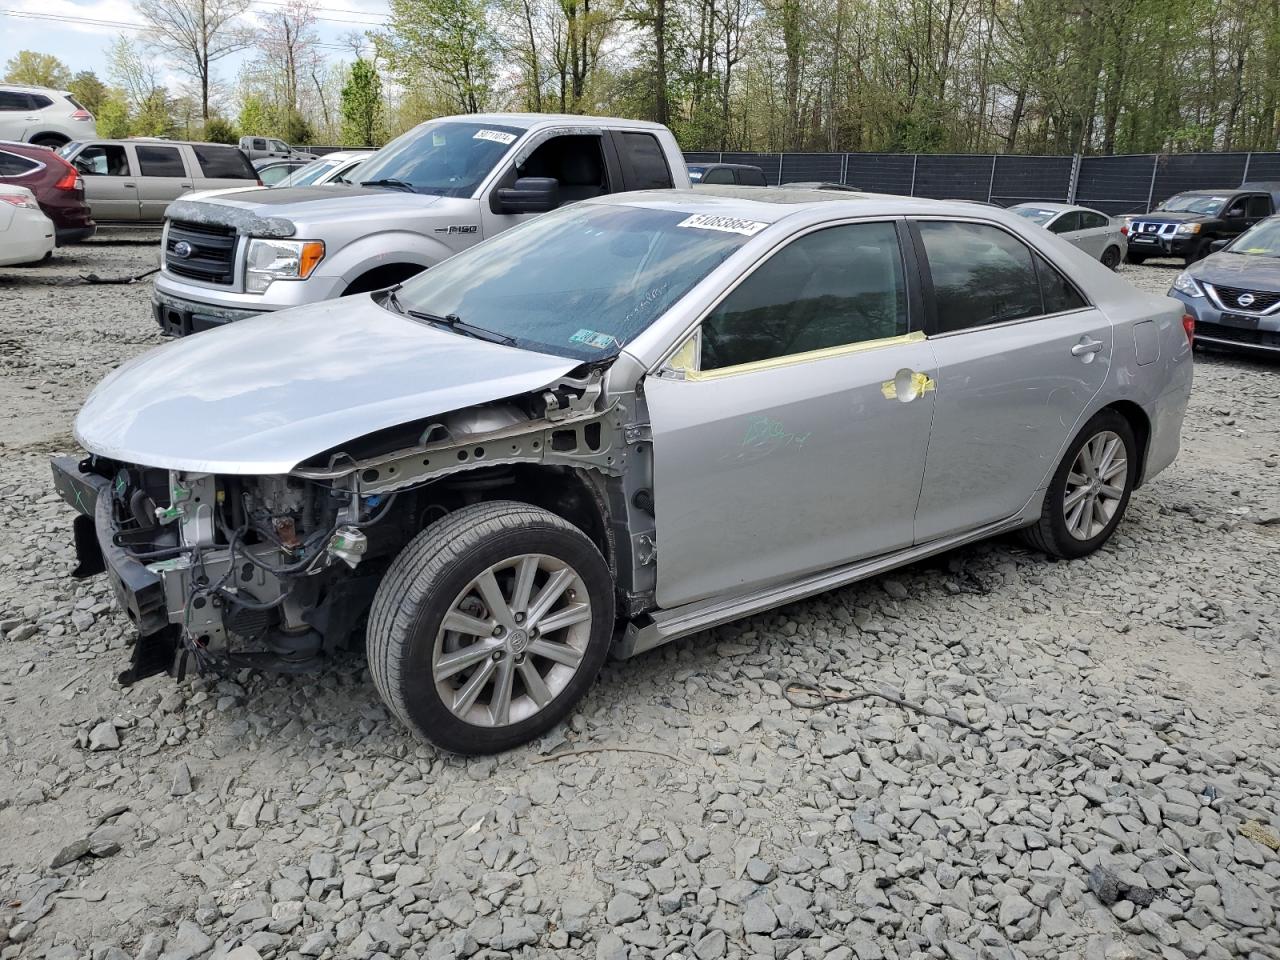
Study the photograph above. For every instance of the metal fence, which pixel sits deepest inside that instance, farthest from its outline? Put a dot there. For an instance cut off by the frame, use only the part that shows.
(1133, 183)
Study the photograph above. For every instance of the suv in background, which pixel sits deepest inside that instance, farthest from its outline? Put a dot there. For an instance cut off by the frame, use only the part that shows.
(40, 115)
(743, 174)
(442, 187)
(269, 148)
(132, 181)
(55, 184)
(1187, 224)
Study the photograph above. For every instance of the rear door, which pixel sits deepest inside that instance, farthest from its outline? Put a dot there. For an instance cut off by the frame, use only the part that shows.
(110, 181)
(643, 162)
(162, 178)
(791, 436)
(1067, 225)
(1258, 207)
(218, 166)
(1094, 233)
(1020, 354)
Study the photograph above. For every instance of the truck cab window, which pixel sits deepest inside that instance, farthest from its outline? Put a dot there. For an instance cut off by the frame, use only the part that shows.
(577, 162)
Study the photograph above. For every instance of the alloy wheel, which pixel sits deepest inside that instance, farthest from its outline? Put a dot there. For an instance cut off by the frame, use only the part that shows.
(512, 640)
(1095, 485)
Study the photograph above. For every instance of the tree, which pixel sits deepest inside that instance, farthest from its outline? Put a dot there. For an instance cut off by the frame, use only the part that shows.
(113, 116)
(195, 34)
(362, 106)
(288, 44)
(256, 119)
(37, 69)
(446, 41)
(219, 130)
(148, 103)
(89, 90)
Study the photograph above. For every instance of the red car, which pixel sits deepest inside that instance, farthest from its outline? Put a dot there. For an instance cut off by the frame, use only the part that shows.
(56, 185)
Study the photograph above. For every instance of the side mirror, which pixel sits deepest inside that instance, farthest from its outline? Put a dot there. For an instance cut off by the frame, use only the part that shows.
(1235, 213)
(1217, 245)
(529, 195)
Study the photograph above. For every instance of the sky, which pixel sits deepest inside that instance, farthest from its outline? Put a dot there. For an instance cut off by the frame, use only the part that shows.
(79, 31)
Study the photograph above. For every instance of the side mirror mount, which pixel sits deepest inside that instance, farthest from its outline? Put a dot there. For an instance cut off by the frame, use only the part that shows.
(1217, 245)
(529, 195)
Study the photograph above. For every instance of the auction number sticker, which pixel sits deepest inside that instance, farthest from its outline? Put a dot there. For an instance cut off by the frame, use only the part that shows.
(709, 221)
(497, 136)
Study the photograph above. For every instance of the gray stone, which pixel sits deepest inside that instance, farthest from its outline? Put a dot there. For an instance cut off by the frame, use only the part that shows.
(758, 917)
(711, 947)
(623, 908)
(104, 737)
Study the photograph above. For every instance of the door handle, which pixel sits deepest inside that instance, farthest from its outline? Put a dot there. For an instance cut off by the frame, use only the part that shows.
(907, 385)
(129, 186)
(1086, 347)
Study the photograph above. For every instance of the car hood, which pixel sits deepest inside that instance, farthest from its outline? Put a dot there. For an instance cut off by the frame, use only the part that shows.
(1238, 270)
(273, 211)
(261, 395)
(1170, 216)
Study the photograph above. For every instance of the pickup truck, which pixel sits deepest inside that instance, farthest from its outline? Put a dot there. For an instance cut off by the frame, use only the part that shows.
(1187, 224)
(436, 190)
(269, 148)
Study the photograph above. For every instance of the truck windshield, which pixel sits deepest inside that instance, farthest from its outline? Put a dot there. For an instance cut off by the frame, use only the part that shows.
(1193, 203)
(447, 159)
(1260, 241)
(579, 282)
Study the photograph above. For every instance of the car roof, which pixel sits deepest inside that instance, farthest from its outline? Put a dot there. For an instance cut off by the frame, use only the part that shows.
(344, 155)
(771, 204)
(531, 120)
(727, 166)
(32, 87)
(158, 141)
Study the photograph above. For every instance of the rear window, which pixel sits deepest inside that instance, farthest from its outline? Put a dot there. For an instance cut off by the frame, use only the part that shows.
(39, 102)
(12, 165)
(644, 163)
(752, 177)
(160, 162)
(73, 101)
(223, 163)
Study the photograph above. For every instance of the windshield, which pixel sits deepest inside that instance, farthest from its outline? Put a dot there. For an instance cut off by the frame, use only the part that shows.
(1036, 214)
(310, 173)
(1193, 203)
(579, 282)
(448, 159)
(1262, 240)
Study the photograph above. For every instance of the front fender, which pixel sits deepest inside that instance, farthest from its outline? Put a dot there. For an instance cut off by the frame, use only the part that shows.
(383, 249)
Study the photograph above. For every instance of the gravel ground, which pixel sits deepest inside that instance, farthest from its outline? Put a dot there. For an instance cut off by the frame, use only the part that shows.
(1123, 709)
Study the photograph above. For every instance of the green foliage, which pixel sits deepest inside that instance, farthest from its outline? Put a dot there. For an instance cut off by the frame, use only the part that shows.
(256, 116)
(294, 128)
(113, 116)
(220, 130)
(362, 106)
(89, 90)
(37, 69)
(448, 40)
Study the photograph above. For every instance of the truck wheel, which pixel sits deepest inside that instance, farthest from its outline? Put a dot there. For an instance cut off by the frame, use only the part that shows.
(380, 277)
(1111, 257)
(1136, 259)
(1197, 252)
(490, 625)
(1089, 491)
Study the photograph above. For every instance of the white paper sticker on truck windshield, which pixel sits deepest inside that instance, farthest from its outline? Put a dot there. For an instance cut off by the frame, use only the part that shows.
(708, 221)
(497, 136)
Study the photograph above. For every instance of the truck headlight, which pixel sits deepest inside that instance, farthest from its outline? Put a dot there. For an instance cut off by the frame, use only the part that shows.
(268, 260)
(1186, 284)
(1188, 228)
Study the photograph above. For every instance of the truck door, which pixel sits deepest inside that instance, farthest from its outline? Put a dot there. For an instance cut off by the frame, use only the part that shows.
(163, 178)
(110, 182)
(577, 159)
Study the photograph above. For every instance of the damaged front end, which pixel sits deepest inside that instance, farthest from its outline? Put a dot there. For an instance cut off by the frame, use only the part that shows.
(221, 571)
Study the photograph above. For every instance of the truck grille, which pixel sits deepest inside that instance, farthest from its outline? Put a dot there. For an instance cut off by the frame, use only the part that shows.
(1263, 300)
(210, 252)
(1159, 229)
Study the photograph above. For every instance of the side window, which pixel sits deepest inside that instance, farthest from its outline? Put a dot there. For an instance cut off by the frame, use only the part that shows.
(223, 163)
(160, 161)
(1093, 221)
(644, 165)
(575, 160)
(12, 165)
(39, 102)
(279, 146)
(12, 100)
(1059, 294)
(1066, 222)
(837, 286)
(259, 144)
(103, 160)
(1259, 206)
(752, 177)
(718, 175)
(981, 275)
(1235, 208)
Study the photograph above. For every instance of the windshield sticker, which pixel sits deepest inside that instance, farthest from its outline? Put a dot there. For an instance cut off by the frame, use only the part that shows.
(497, 136)
(707, 221)
(592, 339)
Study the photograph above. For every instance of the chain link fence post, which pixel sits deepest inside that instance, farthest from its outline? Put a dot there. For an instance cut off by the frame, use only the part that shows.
(915, 159)
(1151, 191)
(1248, 157)
(1075, 178)
(991, 184)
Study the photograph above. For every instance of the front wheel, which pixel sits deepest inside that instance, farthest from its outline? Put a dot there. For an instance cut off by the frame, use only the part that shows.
(1197, 252)
(1089, 491)
(490, 626)
(1136, 259)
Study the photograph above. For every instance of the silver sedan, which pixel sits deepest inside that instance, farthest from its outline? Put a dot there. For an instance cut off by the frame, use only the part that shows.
(627, 421)
(1095, 233)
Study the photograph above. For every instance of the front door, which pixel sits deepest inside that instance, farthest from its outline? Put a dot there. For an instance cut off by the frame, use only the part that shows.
(164, 178)
(110, 183)
(791, 436)
(576, 161)
(1020, 357)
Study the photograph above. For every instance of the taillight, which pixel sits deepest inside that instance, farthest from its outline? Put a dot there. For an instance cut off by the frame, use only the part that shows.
(82, 115)
(1189, 328)
(1124, 230)
(68, 181)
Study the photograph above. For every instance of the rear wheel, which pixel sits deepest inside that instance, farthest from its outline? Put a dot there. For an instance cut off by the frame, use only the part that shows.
(51, 140)
(490, 626)
(1089, 491)
(1111, 257)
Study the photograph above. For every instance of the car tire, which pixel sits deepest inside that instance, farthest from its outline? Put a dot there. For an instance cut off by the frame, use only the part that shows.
(1068, 530)
(447, 684)
(1197, 252)
(1111, 258)
(1136, 259)
(49, 140)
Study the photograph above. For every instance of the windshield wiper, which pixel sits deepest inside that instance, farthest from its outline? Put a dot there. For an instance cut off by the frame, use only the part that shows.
(453, 322)
(389, 182)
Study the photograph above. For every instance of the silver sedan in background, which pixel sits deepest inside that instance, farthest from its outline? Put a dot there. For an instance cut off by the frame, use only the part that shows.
(629, 420)
(1095, 233)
